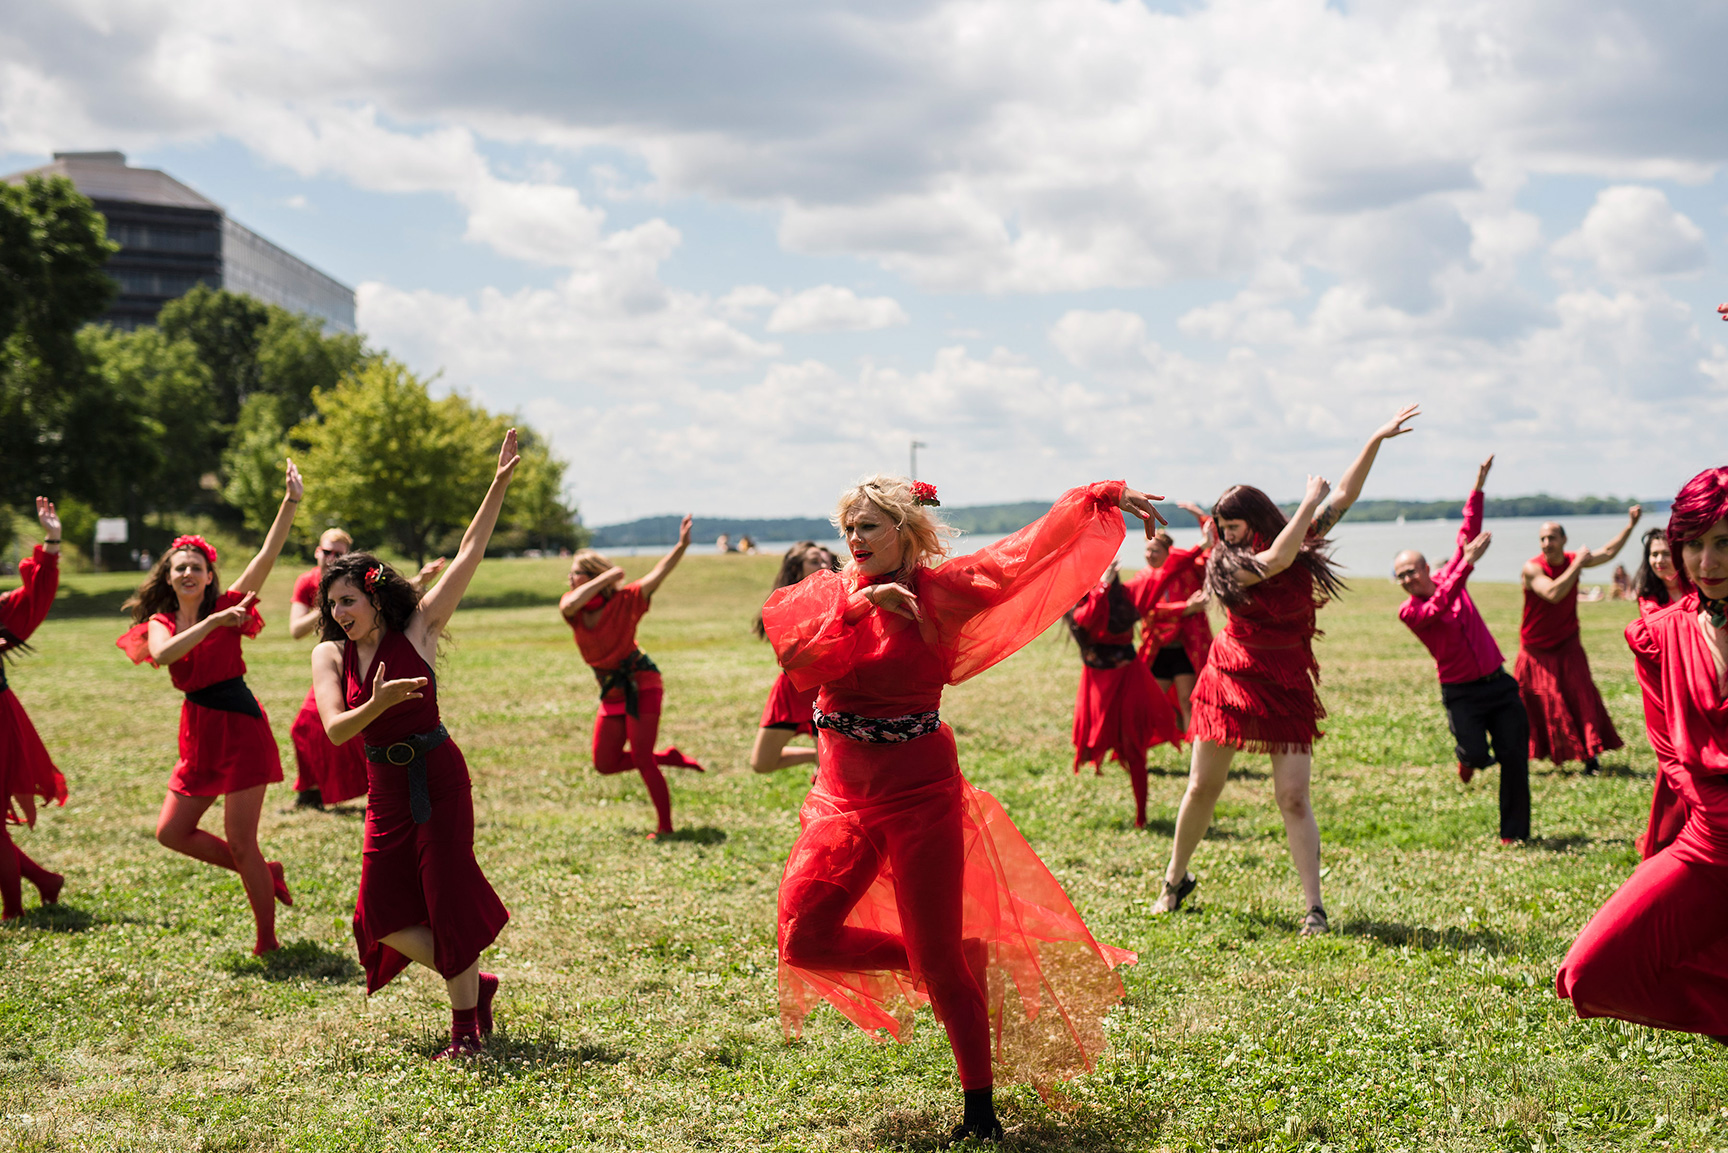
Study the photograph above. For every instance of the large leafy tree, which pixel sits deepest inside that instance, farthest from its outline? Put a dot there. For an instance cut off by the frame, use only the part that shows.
(227, 329)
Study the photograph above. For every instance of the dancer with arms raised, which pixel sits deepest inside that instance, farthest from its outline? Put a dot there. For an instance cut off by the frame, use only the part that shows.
(787, 712)
(906, 883)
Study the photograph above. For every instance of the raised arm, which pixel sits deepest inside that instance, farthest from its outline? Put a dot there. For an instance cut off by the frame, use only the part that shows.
(437, 606)
(571, 602)
(670, 561)
(1282, 554)
(258, 570)
(1350, 486)
(25, 608)
(1609, 551)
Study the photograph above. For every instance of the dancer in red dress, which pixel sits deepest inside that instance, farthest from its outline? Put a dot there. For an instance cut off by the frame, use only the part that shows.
(1568, 721)
(907, 884)
(787, 711)
(1257, 691)
(1175, 635)
(26, 771)
(603, 614)
(422, 895)
(1120, 708)
(226, 748)
(1657, 952)
(1657, 584)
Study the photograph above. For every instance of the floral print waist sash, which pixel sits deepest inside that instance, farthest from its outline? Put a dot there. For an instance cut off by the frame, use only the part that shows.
(878, 730)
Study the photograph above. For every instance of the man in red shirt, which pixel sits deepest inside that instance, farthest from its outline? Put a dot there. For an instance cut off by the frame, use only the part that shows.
(1481, 701)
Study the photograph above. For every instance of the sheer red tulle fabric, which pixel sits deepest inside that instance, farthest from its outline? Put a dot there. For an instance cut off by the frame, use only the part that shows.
(220, 752)
(1258, 689)
(1119, 710)
(1657, 952)
(1161, 594)
(25, 766)
(980, 928)
(787, 704)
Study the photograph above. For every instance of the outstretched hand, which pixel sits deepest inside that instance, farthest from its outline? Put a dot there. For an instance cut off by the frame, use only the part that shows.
(392, 693)
(1474, 550)
(49, 518)
(1635, 512)
(1143, 505)
(1395, 426)
(1482, 471)
(296, 487)
(235, 615)
(894, 598)
(1199, 514)
(684, 527)
(508, 457)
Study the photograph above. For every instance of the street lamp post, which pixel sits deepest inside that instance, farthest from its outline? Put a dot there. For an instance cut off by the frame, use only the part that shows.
(916, 445)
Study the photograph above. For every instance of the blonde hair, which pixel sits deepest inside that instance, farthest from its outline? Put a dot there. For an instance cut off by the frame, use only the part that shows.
(338, 534)
(1164, 538)
(590, 563)
(922, 533)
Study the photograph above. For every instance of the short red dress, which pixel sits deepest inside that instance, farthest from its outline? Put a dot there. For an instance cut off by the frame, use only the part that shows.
(416, 874)
(221, 751)
(789, 707)
(1258, 690)
(609, 647)
(1119, 708)
(25, 766)
(338, 772)
(906, 883)
(1568, 721)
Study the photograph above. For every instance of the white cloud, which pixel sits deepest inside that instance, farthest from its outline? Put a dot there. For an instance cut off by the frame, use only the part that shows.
(1633, 232)
(830, 308)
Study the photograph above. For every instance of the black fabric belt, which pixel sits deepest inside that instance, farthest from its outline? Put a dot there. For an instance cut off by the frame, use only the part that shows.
(410, 753)
(3, 685)
(1493, 676)
(1106, 656)
(624, 677)
(229, 696)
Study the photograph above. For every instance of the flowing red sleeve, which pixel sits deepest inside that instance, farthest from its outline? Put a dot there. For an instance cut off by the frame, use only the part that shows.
(982, 608)
(806, 624)
(1668, 806)
(24, 608)
(135, 642)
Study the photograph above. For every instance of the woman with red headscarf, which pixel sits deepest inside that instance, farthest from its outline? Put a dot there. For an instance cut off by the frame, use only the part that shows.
(26, 772)
(1257, 691)
(1657, 952)
(226, 748)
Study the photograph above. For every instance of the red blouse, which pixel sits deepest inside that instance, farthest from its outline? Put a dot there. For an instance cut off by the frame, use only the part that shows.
(306, 588)
(25, 608)
(612, 636)
(213, 659)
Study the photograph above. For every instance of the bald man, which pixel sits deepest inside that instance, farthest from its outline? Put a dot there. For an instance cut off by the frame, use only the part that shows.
(1568, 721)
(1482, 703)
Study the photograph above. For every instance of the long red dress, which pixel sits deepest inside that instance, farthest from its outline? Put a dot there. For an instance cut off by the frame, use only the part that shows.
(1657, 952)
(416, 874)
(221, 752)
(906, 883)
(1161, 594)
(25, 766)
(1568, 721)
(338, 772)
(1258, 689)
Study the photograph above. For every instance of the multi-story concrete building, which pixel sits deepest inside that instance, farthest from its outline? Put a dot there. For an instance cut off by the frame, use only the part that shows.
(171, 238)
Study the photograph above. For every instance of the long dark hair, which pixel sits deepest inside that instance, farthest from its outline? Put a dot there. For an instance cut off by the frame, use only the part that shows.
(1265, 521)
(1646, 584)
(157, 595)
(791, 572)
(390, 593)
(1701, 502)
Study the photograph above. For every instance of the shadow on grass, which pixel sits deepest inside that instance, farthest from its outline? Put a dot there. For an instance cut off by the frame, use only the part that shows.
(1560, 844)
(64, 918)
(1422, 937)
(1087, 1130)
(298, 961)
(513, 599)
(701, 835)
(72, 602)
(508, 1055)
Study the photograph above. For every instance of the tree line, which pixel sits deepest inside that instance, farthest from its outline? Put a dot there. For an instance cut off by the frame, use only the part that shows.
(194, 415)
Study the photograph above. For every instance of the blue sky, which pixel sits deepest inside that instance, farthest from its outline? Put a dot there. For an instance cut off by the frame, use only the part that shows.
(732, 256)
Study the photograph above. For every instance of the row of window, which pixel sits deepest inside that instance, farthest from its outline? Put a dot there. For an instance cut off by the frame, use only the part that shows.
(156, 238)
(166, 284)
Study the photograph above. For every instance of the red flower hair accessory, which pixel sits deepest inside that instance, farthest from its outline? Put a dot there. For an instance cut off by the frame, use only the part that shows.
(372, 577)
(195, 542)
(925, 494)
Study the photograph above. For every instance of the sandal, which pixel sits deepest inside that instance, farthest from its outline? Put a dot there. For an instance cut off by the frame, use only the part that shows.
(1315, 923)
(1174, 895)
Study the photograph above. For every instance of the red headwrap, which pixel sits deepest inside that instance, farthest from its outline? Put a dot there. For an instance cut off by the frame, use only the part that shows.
(195, 542)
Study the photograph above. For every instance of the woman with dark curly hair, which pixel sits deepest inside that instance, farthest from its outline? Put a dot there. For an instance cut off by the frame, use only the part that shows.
(1257, 691)
(1658, 583)
(226, 748)
(422, 895)
(787, 711)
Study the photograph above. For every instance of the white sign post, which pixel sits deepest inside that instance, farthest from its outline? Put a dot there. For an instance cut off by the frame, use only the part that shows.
(109, 530)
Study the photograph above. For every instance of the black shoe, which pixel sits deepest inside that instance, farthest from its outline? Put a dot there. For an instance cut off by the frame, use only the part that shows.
(993, 1134)
(1315, 923)
(1591, 768)
(1174, 895)
(979, 1121)
(310, 799)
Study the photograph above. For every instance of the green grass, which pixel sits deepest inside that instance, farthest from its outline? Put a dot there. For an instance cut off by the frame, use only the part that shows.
(638, 1008)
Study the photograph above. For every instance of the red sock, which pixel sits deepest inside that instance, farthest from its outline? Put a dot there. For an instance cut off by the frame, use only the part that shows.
(464, 1023)
(11, 899)
(48, 884)
(483, 1010)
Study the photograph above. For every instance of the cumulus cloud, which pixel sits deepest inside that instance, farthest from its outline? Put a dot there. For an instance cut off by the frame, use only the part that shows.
(1633, 232)
(830, 308)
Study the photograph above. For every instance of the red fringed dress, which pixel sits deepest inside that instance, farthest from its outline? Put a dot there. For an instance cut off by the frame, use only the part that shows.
(1258, 689)
(1568, 721)
(416, 874)
(906, 883)
(1161, 594)
(788, 706)
(1657, 952)
(1119, 708)
(338, 772)
(221, 751)
(25, 766)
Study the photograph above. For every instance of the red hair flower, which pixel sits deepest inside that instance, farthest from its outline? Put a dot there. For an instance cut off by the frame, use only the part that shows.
(195, 542)
(372, 578)
(925, 494)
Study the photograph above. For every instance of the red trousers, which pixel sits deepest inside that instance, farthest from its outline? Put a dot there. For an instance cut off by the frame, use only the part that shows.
(623, 742)
(14, 867)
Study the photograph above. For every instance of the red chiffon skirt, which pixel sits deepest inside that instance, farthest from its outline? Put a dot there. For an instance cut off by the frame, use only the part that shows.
(25, 766)
(1047, 984)
(1121, 709)
(338, 772)
(223, 752)
(786, 705)
(423, 874)
(1568, 721)
(1259, 701)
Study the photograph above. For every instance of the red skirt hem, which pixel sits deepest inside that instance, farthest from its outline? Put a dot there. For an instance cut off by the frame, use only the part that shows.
(1121, 709)
(338, 772)
(25, 766)
(1568, 721)
(223, 752)
(788, 705)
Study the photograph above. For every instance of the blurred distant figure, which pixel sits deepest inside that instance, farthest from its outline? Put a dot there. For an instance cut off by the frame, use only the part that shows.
(1622, 590)
(145, 561)
(723, 543)
(746, 546)
(1658, 583)
(1175, 635)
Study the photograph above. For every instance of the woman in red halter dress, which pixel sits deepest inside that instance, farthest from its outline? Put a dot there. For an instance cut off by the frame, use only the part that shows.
(226, 747)
(907, 884)
(422, 895)
(26, 771)
(1657, 952)
(788, 709)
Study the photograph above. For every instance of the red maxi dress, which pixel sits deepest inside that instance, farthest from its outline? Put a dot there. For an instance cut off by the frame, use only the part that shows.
(416, 874)
(906, 883)
(25, 766)
(221, 751)
(1258, 691)
(1657, 952)
(1667, 800)
(338, 772)
(1568, 721)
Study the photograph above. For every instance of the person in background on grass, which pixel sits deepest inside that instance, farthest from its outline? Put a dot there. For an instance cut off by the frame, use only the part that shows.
(1119, 708)
(1568, 721)
(787, 712)
(1175, 635)
(26, 770)
(1658, 583)
(722, 543)
(226, 748)
(422, 895)
(1481, 700)
(906, 883)
(603, 613)
(1656, 953)
(327, 774)
(1621, 588)
(1257, 692)
(746, 546)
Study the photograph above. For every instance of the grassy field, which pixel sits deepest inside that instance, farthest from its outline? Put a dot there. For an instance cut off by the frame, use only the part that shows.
(638, 1009)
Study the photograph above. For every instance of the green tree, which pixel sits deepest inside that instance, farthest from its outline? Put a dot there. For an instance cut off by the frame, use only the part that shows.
(227, 329)
(253, 461)
(296, 358)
